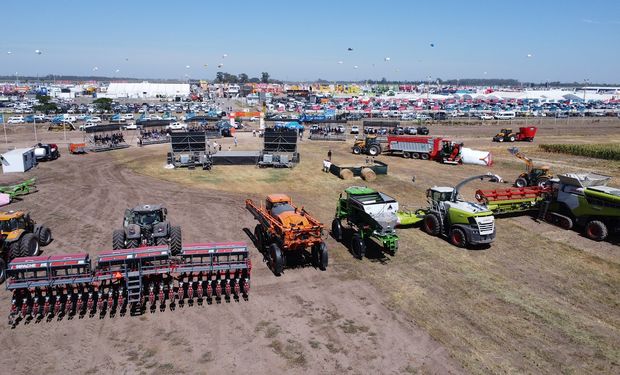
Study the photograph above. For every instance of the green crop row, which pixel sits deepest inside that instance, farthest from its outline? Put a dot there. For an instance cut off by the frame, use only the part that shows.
(600, 151)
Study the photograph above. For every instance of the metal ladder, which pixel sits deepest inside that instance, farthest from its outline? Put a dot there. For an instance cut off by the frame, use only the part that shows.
(542, 212)
(134, 285)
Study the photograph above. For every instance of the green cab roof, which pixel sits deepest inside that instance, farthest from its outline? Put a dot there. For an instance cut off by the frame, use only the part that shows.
(359, 190)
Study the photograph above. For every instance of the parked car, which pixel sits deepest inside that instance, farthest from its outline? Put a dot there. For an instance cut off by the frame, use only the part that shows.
(486, 116)
(87, 125)
(130, 126)
(16, 120)
(423, 117)
(355, 129)
(422, 130)
(177, 126)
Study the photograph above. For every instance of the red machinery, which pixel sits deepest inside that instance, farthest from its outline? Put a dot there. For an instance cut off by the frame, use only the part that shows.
(67, 285)
(486, 196)
(425, 148)
(525, 134)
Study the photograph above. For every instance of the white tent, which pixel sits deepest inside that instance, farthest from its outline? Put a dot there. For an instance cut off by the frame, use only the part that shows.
(147, 90)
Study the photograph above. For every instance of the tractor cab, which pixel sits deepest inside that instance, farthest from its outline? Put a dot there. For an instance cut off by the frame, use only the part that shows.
(13, 220)
(145, 215)
(437, 195)
(504, 132)
(278, 202)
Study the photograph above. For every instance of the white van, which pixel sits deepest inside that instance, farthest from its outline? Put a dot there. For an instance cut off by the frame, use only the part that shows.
(16, 120)
(506, 115)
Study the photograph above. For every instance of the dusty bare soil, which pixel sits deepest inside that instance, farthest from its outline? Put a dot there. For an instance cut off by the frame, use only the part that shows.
(540, 299)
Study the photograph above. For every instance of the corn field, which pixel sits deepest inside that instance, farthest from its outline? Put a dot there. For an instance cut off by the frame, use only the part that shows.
(601, 151)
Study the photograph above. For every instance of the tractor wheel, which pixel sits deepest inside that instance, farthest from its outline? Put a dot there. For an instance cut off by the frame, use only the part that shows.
(358, 246)
(415, 155)
(260, 239)
(2, 270)
(160, 241)
(457, 237)
(596, 230)
(29, 245)
(406, 155)
(277, 262)
(530, 139)
(500, 139)
(512, 138)
(176, 240)
(520, 182)
(14, 251)
(323, 257)
(133, 244)
(374, 150)
(357, 150)
(337, 230)
(45, 236)
(118, 239)
(432, 225)
(425, 156)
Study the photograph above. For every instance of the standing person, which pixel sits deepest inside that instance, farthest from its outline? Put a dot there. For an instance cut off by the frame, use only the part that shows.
(329, 155)
(235, 140)
(253, 132)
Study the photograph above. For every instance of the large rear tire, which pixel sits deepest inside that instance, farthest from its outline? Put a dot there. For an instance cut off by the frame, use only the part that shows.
(374, 150)
(2, 270)
(432, 225)
(14, 251)
(176, 240)
(118, 239)
(133, 244)
(520, 182)
(457, 237)
(323, 257)
(596, 230)
(29, 245)
(358, 246)
(425, 156)
(357, 150)
(277, 262)
(337, 230)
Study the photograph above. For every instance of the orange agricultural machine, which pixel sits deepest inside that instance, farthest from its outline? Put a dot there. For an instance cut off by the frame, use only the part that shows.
(284, 232)
(77, 148)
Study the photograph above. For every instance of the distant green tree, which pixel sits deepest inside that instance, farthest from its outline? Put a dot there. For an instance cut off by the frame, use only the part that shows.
(45, 105)
(243, 78)
(104, 104)
(264, 77)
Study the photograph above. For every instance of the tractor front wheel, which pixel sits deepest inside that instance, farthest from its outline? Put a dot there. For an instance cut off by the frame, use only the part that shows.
(337, 230)
(176, 241)
(44, 235)
(14, 251)
(319, 256)
(357, 150)
(432, 225)
(118, 239)
(596, 230)
(277, 262)
(457, 237)
(358, 246)
(133, 244)
(29, 245)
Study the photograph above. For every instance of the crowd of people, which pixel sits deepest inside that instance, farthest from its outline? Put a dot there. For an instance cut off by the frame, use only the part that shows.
(109, 139)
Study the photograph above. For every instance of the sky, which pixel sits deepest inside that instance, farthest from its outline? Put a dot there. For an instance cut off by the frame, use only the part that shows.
(532, 41)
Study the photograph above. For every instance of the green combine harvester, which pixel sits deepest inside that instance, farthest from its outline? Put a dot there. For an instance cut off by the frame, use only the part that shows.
(572, 200)
(369, 214)
(463, 223)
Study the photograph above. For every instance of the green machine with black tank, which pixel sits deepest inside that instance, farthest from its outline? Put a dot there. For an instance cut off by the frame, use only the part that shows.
(463, 223)
(369, 214)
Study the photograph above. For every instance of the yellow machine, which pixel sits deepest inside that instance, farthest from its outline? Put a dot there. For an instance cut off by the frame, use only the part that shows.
(20, 237)
(533, 176)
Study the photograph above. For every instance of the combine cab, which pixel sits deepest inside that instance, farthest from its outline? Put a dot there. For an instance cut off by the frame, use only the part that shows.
(147, 225)
(20, 236)
(284, 231)
(368, 214)
(128, 279)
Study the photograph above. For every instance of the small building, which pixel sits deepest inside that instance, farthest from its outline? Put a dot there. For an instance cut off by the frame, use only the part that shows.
(18, 160)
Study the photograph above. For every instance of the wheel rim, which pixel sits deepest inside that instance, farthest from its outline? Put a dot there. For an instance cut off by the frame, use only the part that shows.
(594, 230)
(457, 239)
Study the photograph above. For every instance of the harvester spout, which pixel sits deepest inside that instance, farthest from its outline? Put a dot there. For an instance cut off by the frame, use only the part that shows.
(490, 176)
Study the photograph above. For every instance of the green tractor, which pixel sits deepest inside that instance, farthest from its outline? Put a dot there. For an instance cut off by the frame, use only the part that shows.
(369, 214)
(463, 223)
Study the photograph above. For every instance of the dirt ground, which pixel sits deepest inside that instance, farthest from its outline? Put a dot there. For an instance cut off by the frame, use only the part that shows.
(540, 299)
